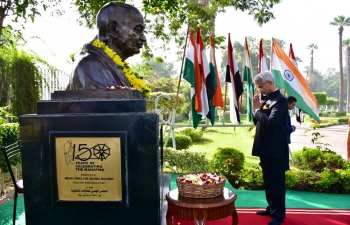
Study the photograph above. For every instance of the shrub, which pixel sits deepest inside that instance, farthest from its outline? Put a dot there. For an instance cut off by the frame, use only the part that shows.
(252, 179)
(228, 162)
(315, 126)
(195, 135)
(291, 179)
(343, 120)
(185, 160)
(182, 141)
(306, 181)
(309, 159)
(9, 133)
(329, 182)
(164, 104)
(340, 113)
(333, 161)
(324, 114)
(317, 160)
(345, 179)
(6, 117)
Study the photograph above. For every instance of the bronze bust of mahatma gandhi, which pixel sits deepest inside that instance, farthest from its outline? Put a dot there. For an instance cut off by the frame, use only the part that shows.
(101, 63)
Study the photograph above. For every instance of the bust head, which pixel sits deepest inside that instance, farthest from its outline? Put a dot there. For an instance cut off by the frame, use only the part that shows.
(121, 27)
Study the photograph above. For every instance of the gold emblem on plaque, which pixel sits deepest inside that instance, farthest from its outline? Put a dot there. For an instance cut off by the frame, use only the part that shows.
(89, 168)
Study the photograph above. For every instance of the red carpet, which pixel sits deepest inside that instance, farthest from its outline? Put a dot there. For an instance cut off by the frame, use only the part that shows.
(293, 217)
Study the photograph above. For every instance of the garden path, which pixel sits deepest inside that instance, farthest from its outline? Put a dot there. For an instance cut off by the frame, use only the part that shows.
(335, 136)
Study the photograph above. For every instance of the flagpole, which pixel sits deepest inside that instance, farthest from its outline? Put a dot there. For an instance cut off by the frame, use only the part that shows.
(182, 64)
(241, 100)
(243, 65)
(271, 55)
(224, 116)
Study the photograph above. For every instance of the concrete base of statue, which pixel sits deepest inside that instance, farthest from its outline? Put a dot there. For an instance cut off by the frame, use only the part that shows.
(91, 157)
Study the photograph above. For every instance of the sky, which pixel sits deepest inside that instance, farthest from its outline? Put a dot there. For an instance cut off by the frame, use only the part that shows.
(298, 22)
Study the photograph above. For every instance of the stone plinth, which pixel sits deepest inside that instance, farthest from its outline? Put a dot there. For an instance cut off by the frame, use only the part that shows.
(91, 160)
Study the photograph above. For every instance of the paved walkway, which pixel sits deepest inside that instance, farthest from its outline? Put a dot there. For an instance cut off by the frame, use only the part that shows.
(335, 136)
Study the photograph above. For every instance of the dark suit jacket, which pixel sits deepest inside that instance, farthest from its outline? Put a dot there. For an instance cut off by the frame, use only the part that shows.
(95, 69)
(271, 127)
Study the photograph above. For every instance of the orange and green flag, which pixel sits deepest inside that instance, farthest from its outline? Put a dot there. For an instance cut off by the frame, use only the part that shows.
(192, 75)
(248, 78)
(217, 98)
(288, 76)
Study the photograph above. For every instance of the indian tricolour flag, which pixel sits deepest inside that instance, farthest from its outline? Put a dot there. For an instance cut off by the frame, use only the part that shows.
(288, 76)
(217, 98)
(248, 78)
(294, 61)
(207, 90)
(192, 75)
(234, 78)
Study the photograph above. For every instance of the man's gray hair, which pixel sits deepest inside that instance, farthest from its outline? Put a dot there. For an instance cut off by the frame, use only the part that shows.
(264, 77)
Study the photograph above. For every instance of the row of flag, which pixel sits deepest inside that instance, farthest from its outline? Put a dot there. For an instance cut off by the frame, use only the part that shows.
(204, 79)
(205, 83)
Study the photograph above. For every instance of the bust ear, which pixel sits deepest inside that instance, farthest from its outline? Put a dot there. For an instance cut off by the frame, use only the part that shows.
(112, 28)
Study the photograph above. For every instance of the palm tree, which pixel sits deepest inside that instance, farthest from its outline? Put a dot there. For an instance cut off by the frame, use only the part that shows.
(347, 44)
(341, 22)
(312, 47)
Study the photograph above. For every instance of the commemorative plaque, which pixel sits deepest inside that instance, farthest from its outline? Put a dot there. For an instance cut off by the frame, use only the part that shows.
(88, 169)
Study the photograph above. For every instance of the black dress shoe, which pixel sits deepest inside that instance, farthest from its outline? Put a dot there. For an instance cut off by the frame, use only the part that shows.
(263, 213)
(275, 221)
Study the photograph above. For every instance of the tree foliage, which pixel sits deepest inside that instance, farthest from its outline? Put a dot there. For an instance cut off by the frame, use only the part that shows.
(321, 97)
(341, 21)
(168, 20)
(16, 9)
(331, 83)
(20, 79)
(346, 43)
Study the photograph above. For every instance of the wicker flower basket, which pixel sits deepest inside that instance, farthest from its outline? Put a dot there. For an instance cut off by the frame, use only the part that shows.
(191, 190)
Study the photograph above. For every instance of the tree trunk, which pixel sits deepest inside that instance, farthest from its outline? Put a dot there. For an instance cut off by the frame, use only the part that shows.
(2, 17)
(3, 184)
(348, 86)
(341, 100)
(311, 69)
(3, 13)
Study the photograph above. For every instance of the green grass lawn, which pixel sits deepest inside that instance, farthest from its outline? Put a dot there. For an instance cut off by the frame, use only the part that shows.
(239, 138)
(235, 137)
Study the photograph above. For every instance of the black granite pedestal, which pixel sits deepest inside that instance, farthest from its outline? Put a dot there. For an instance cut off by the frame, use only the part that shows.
(91, 160)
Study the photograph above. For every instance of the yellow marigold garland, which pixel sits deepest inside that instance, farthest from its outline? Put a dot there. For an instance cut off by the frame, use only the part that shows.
(134, 79)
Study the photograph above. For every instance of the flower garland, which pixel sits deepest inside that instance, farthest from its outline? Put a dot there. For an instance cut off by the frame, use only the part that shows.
(134, 79)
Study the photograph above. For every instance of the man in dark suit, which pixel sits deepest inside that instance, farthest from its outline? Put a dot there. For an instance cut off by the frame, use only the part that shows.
(290, 128)
(270, 143)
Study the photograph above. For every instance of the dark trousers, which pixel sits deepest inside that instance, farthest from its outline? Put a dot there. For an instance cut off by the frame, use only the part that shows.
(275, 186)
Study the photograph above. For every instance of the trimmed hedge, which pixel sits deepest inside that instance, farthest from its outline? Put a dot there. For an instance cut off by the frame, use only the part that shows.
(185, 161)
(182, 141)
(195, 135)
